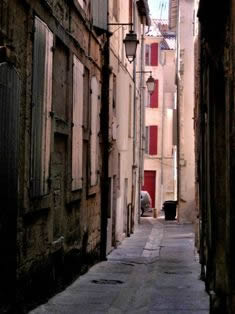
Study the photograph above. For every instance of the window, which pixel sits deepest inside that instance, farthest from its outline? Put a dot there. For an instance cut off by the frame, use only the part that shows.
(77, 132)
(154, 96)
(94, 130)
(147, 103)
(86, 102)
(99, 14)
(151, 54)
(151, 140)
(147, 55)
(41, 108)
(147, 140)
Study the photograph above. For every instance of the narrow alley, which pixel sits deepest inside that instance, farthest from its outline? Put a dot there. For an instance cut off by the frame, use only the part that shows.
(113, 113)
(155, 270)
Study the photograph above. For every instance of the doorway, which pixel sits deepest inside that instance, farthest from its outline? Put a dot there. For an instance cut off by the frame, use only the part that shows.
(150, 184)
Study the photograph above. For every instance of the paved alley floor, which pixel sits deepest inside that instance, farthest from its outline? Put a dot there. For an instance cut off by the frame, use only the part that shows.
(153, 271)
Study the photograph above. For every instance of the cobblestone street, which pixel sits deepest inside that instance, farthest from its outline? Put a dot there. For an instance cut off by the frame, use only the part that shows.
(153, 271)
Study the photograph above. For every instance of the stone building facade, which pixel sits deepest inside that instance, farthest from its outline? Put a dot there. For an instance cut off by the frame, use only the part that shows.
(160, 149)
(214, 125)
(124, 120)
(51, 67)
(51, 80)
(181, 21)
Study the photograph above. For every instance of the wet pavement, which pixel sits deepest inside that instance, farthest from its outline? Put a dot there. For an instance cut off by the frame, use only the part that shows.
(155, 270)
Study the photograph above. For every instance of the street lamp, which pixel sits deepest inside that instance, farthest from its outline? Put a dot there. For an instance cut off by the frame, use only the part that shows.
(130, 42)
(150, 84)
(150, 81)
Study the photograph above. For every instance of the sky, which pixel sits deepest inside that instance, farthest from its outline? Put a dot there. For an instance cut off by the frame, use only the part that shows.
(158, 9)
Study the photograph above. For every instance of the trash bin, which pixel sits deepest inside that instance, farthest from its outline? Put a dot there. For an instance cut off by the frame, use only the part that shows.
(169, 207)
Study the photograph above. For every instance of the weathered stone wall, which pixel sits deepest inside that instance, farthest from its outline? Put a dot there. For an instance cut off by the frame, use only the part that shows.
(59, 233)
(215, 147)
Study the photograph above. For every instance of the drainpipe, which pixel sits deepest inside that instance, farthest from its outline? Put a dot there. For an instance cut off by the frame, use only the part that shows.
(104, 126)
(133, 196)
(162, 149)
(178, 112)
(141, 160)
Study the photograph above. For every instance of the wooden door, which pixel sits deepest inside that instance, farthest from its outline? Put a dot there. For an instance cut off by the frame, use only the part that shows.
(150, 184)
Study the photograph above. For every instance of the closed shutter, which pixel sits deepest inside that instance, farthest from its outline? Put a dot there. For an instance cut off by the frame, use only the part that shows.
(41, 108)
(94, 133)
(77, 133)
(154, 54)
(10, 91)
(10, 88)
(147, 55)
(154, 96)
(100, 13)
(80, 2)
(153, 139)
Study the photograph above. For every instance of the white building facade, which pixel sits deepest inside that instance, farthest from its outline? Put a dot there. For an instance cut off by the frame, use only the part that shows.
(159, 163)
(124, 121)
(181, 20)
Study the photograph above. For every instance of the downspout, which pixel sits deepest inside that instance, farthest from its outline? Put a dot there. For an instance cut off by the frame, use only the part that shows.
(104, 126)
(133, 209)
(162, 148)
(178, 112)
(141, 160)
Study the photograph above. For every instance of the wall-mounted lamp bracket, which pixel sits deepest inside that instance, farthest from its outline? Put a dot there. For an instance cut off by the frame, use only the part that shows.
(150, 81)
(130, 41)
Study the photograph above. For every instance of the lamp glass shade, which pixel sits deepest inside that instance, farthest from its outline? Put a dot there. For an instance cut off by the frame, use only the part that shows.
(131, 43)
(150, 84)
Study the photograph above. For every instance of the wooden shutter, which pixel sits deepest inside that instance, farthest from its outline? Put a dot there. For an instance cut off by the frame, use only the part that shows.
(94, 135)
(154, 54)
(41, 108)
(153, 139)
(77, 133)
(10, 90)
(154, 96)
(100, 13)
(80, 2)
(147, 54)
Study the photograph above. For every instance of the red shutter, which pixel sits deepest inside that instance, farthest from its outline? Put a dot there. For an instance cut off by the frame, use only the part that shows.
(153, 140)
(154, 54)
(154, 96)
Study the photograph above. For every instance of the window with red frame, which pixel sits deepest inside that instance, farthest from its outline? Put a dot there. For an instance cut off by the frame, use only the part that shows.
(151, 54)
(154, 96)
(151, 140)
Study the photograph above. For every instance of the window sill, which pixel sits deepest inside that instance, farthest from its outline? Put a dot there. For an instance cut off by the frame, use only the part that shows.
(39, 204)
(92, 190)
(74, 196)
